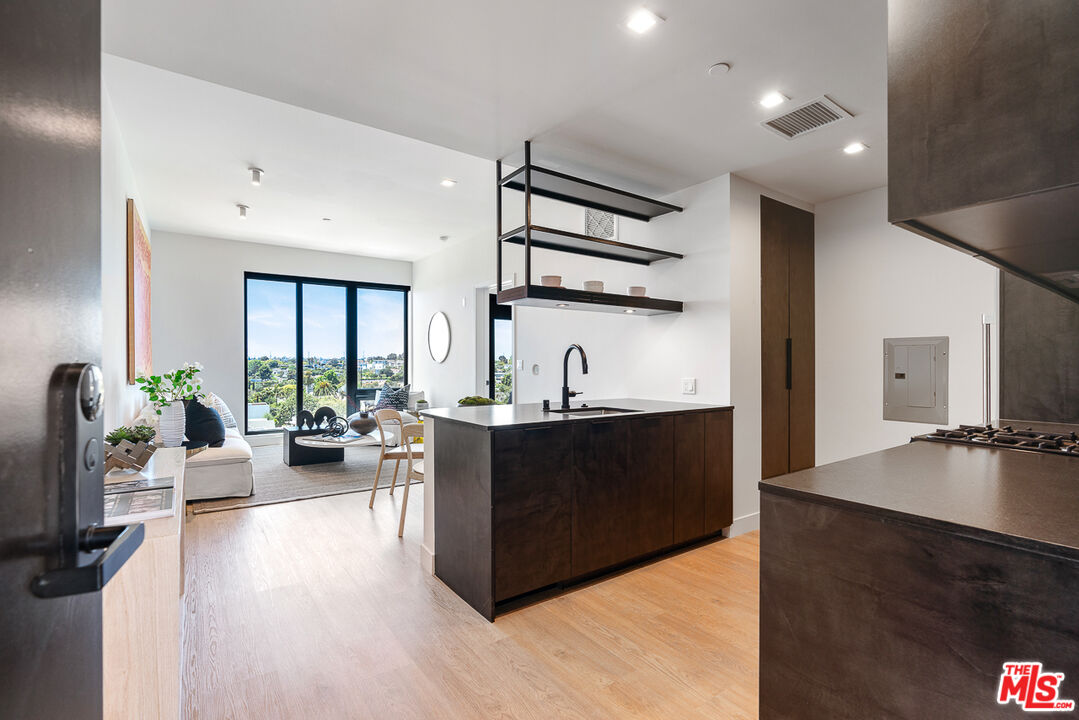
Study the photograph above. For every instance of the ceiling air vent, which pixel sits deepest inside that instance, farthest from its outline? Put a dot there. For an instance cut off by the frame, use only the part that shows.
(807, 118)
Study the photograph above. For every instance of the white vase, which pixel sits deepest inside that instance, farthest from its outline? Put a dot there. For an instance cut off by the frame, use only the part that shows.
(171, 424)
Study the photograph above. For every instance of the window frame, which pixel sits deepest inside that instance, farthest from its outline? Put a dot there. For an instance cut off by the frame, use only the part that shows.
(351, 333)
(495, 311)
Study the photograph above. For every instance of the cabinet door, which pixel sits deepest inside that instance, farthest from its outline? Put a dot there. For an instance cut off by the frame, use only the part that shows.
(688, 477)
(532, 488)
(718, 471)
(600, 535)
(649, 494)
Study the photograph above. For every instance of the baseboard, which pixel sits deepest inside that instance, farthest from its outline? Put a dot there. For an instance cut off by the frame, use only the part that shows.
(427, 559)
(744, 524)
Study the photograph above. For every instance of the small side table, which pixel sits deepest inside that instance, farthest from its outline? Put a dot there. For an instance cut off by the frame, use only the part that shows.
(296, 454)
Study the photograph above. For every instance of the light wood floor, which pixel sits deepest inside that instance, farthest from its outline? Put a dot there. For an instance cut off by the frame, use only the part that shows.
(315, 609)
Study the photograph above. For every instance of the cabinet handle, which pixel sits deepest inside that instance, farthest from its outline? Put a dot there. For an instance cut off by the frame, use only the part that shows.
(537, 429)
(789, 369)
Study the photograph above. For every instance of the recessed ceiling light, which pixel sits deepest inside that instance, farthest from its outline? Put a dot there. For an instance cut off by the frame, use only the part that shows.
(855, 147)
(630, 310)
(642, 20)
(256, 175)
(562, 305)
(443, 238)
(773, 99)
(447, 182)
(243, 210)
(326, 219)
(719, 69)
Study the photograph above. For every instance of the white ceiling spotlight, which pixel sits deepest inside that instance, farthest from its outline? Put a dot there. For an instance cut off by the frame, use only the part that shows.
(774, 99)
(256, 176)
(719, 69)
(326, 219)
(443, 238)
(642, 20)
(855, 147)
(448, 182)
(243, 210)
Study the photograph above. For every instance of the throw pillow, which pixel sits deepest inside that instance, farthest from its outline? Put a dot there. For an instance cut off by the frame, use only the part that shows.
(204, 423)
(394, 398)
(222, 409)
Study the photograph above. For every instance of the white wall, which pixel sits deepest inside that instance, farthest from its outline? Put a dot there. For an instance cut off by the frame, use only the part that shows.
(874, 281)
(122, 401)
(640, 356)
(198, 299)
(446, 282)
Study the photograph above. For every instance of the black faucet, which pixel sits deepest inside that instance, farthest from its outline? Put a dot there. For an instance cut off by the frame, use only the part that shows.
(566, 392)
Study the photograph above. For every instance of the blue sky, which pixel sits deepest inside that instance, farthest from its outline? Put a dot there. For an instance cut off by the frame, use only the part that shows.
(271, 320)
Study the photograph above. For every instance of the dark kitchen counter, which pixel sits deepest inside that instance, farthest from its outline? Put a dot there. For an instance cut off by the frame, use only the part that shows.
(495, 417)
(1026, 499)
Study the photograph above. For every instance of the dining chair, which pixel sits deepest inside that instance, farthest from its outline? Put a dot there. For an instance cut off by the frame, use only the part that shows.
(413, 466)
(383, 417)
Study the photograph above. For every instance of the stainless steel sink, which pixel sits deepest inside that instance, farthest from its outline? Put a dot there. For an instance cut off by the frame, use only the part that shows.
(594, 411)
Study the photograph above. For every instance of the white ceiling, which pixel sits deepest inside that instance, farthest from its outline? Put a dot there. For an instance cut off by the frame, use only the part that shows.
(191, 142)
(480, 76)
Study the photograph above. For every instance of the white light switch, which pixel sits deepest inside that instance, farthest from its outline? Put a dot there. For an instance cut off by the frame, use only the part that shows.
(689, 386)
(520, 364)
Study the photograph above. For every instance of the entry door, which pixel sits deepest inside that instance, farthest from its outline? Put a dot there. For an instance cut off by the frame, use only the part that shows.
(50, 291)
(787, 351)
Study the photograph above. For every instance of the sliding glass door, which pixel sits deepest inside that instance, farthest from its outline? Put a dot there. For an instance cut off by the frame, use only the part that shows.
(312, 343)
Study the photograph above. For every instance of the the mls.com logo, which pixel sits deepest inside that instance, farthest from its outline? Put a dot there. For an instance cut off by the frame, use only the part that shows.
(1031, 689)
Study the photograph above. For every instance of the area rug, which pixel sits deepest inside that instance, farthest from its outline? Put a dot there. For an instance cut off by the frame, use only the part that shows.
(276, 482)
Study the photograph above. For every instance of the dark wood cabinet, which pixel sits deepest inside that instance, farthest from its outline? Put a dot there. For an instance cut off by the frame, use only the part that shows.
(649, 493)
(600, 456)
(688, 484)
(533, 489)
(982, 131)
(521, 509)
(718, 471)
(787, 339)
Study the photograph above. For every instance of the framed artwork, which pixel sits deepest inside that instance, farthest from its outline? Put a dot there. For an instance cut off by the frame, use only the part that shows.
(139, 347)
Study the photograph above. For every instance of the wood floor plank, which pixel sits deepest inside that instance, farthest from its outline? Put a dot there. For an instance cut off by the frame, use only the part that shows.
(317, 609)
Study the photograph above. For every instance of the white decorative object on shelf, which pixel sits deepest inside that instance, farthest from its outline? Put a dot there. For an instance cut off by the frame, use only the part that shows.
(551, 280)
(636, 291)
(600, 224)
(173, 418)
(593, 285)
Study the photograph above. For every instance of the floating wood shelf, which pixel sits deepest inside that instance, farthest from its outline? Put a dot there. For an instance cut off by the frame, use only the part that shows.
(568, 299)
(567, 188)
(565, 241)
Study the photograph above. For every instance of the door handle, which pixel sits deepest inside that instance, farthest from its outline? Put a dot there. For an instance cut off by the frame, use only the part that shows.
(75, 416)
(789, 363)
(120, 543)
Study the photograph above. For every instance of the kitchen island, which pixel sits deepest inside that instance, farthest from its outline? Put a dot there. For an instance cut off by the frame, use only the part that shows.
(897, 584)
(530, 500)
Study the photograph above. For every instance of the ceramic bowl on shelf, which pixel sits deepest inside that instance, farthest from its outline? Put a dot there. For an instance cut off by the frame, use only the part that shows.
(551, 281)
(636, 291)
(593, 285)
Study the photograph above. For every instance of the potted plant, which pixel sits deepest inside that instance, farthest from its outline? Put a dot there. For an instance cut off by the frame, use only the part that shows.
(475, 401)
(167, 392)
(129, 448)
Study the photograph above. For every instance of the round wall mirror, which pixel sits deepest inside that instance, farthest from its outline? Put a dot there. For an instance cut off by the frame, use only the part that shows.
(438, 337)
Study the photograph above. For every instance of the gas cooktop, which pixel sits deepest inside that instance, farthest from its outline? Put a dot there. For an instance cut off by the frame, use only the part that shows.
(1007, 437)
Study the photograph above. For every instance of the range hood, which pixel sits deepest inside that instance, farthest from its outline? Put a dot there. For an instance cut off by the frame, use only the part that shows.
(983, 131)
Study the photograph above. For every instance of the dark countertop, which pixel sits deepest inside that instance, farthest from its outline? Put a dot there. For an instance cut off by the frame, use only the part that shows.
(493, 417)
(1026, 499)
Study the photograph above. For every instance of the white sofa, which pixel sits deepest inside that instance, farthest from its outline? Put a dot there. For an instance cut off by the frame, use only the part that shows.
(220, 472)
(214, 472)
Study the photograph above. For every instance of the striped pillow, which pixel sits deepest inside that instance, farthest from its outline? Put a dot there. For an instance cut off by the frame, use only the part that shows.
(222, 409)
(394, 398)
